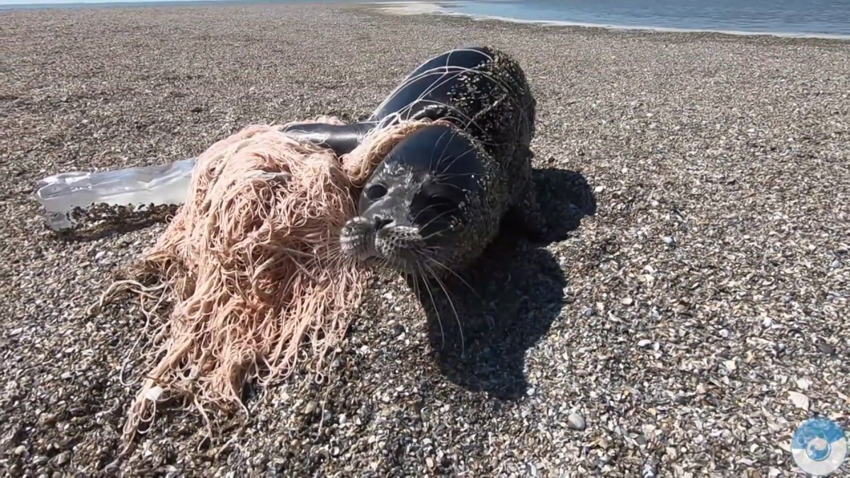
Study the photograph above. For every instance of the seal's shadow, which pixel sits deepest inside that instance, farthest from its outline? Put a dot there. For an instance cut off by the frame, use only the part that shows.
(508, 299)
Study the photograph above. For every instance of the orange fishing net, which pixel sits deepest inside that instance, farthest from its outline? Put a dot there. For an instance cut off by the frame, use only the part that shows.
(252, 266)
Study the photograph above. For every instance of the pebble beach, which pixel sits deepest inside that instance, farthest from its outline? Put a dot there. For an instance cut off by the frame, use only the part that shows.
(683, 325)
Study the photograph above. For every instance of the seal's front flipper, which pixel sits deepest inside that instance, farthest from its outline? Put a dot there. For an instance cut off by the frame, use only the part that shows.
(526, 217)
(341, 139)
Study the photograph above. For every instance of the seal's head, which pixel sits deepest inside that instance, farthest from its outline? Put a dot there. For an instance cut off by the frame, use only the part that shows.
(422, 203)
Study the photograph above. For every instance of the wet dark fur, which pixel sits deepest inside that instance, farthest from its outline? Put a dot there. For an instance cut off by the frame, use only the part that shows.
(438, 199)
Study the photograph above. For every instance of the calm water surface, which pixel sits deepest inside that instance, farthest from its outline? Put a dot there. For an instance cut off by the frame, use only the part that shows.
(814, 17)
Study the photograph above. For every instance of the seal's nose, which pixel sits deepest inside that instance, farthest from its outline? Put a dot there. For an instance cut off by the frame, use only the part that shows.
(381, 222)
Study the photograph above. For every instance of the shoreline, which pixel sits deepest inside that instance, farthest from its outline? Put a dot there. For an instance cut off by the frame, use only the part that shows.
(425, 9)
(661, 34)
(409, 8)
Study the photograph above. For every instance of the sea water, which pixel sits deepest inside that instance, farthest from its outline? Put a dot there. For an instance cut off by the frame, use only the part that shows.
(825, 18)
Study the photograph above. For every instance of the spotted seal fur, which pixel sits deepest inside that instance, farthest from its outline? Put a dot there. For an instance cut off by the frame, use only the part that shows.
(477, 88)
(439, 198)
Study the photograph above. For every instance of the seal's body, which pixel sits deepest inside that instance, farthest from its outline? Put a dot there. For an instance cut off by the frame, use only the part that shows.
(479, 89)
(438, 199)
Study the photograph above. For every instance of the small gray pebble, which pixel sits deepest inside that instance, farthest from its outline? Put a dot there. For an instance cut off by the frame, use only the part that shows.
(61, 459)
(576, 421)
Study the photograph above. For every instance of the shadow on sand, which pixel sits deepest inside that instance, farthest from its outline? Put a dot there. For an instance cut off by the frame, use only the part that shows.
(508, 299)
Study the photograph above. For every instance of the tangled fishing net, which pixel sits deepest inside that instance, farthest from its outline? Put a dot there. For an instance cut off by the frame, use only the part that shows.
(251, 267)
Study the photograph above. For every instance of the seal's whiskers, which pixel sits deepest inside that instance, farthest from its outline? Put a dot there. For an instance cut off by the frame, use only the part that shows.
(433, 303)
(451, 304)
(450, 271)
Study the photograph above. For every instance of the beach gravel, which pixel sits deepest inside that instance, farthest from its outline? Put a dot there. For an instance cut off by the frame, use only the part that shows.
(685, 329)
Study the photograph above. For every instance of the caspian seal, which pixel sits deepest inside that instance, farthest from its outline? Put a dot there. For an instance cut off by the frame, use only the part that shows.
(479, 89)
(438, 199)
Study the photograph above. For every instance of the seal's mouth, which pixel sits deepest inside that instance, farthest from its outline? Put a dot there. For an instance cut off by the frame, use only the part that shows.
(357, 240)
(396, 247)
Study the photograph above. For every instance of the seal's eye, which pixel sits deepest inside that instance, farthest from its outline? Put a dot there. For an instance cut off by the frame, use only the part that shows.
(376, 191)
